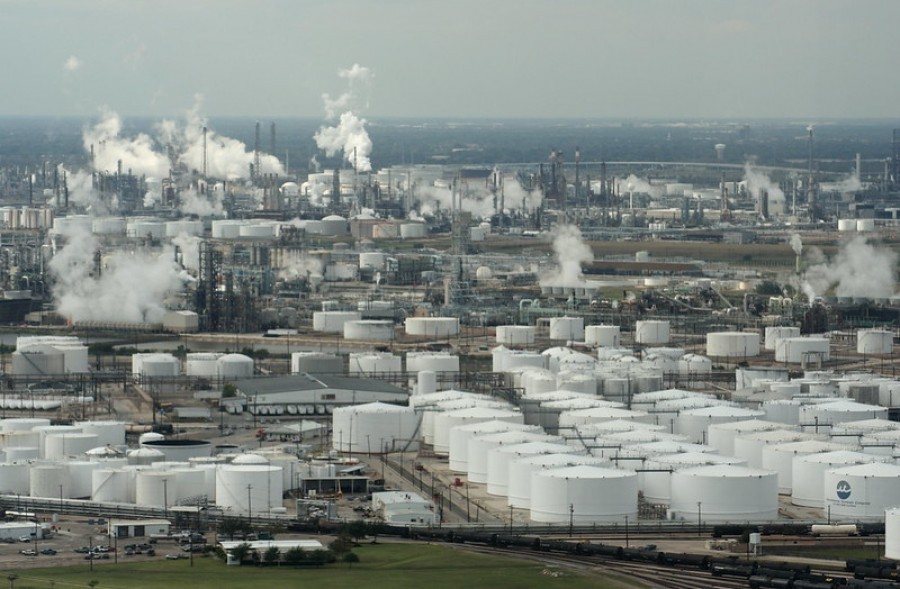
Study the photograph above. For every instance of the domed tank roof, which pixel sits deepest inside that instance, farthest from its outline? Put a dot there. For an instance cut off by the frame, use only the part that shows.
(250, 459)
(145, 452)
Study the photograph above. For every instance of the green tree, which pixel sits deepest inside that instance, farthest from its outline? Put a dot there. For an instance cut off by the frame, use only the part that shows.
(350, 558)
(295, 556)
(272, 555)
(342, 544)
(229, 526)
(241, 552)
(229, 390)
(357, 529)
(374, 529)
(12, 580)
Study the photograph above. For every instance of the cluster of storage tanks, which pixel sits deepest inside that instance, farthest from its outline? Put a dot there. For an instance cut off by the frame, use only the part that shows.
(200, 364)
(89, 460)
(49, 354)
(790, 347)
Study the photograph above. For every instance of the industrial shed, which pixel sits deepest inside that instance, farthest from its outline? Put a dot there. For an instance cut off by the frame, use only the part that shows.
(136, 528)
(307, 394)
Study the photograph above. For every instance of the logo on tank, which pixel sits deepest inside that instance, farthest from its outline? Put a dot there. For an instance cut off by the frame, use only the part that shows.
(843, 490)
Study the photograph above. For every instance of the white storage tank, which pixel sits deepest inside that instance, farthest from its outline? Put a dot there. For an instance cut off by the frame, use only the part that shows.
(515, 335)
(795, 350)
(864, 225)
(892, 533)
(724, 492)
(583, 495)
(567, 328)
(444, 422)
(80, 473)
(60, 445)
(46, 480)
(874, 341)
(780, 458)
(204, 364)
(817, 418)
(372, 260)
(227, 228)
(22, 424)
(809, 473)
(694, 365)
(109, 433)
(652, 332)
(180, 450)
(374, 362)
(249, 488)
(413, 230)
(144, 456)
(480, 446)
(606, 336)
(862, 491)
(773, 334)
(846, 225)
(155, 488)
(577, 382)
(521, 469)
(17, 453)
(15, 478)
(335, 225)
(750, 446)
(732, 344)
(500, 458)
(433, 361)
(47, 430)
(333, 321)
(580, 417)
(461, 434)
(38, 360)
(721, 435)
(785, 411)
(437, 327)
(655, 482)
(566, 359)
(108, 226)
(378, 330)
(316, 362)
(235, 366)
(154, 365)
(374, 428)
(504, 360)
(110, 485)
(693, 423)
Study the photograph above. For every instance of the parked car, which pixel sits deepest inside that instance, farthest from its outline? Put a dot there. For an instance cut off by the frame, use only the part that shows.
(24, 538)
(174, 556)
(48, 551)
(28, 552)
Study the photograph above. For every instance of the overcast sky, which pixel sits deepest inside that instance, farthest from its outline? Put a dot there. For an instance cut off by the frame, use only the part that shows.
(732, 59)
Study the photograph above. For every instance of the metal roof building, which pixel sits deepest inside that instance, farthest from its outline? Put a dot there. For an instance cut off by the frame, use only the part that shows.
(324, 390)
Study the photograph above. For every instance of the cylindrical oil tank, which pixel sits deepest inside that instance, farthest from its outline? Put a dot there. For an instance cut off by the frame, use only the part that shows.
(732, 344)
(38, 360)
(773, 334)
(724, 492)
(109, 485)
(108, 226)
(15, 478)
(862, 491)
(655, 480)
(535, 382)
(335, 225)
(333, 321)
(374, 362)
(445, 421)
(374, 428)
(580, 417)
(795, 350)
(750, 446)
(780, 458)
(154, 365)
(48, 430)
(155, 488)
(433, 361)
(22, 424)
(413, 230)
(80, 473)
(144, 456)
(190, 483)
(437, 327)
(694, 423)
(548, 412)
(561, 358)
(46, 480)
(567, 328)
(721, 435)
(16, 453)
(865, 224)
(426, 382)
(369, 330)
(786, 411)
(579, 382)
(652, 332)
(606, 336)
(583, 495)
(203, 364)
(515, 335)
(248, 488)
(61, 445)
(109, 433)
(521, 469)
(316, 362)
(499, 459)
(892, 533)
(863, 427)
(809, 473)
(846, 225)
(180, 450)
(818, 417)
(461, 434)
(479, 446)
(504, 360)
(874, 341)
(694, 365)
(235, 366)
(257, 230)
(183, 227)
(226, 228)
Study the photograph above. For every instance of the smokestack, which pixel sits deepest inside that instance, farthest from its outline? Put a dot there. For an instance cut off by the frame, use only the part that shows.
(204, 152)
(256, 148)
(272, 138)
(859, 167)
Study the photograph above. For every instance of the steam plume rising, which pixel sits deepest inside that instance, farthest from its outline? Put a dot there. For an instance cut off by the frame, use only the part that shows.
(571, 252)
(797, 244)
(113, 295)
(758, 181)
(136, 154)
(477, 199)
(300, 265)
(349, 135)
(860, 269)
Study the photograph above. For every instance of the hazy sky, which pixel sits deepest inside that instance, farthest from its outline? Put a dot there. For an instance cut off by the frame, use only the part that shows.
(454, 58)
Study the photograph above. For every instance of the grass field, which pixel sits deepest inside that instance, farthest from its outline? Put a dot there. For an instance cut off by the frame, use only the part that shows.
(381, 566)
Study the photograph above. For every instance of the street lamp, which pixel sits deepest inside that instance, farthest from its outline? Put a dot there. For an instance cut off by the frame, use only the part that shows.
(165, 483)
(249, 508)
(699, 519)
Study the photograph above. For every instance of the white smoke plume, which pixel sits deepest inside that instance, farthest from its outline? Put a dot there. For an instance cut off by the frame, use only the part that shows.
(797, 244)
(72, 64)
(131, 286)
(190, 250)
(477, 199)
(757, 181)
(299, 265)
(203, 205)
(517, 198)
(137, 154)
(349, 135)
(860, 269)
(850, 183)
(639, 186)
(81, 191)
(571, 252)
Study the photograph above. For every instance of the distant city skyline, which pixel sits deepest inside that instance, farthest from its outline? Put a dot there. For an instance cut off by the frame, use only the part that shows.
(466, 59)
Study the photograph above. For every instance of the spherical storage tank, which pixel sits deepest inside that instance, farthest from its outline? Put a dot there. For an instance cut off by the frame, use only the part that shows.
(202, 364)
(461, 434)
(444, 422)
(47, 479)
(606, 336)
(724, 492)
(583, 495)
(231, 366)
(180, 450)
(732, 344)
(500, 458)
(432, 326)
(809, 473)
(567, 328)
(874, 341)
(333, 321)
(374, 427)
(862, 491)
(651, 332)
(521, 469)
(248, 488)
(799, 349)
(369, 330)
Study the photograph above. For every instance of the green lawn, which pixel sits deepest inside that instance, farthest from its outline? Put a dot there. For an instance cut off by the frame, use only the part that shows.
(381, 566)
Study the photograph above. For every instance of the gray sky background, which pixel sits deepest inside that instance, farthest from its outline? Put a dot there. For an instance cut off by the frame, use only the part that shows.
(454, 58)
